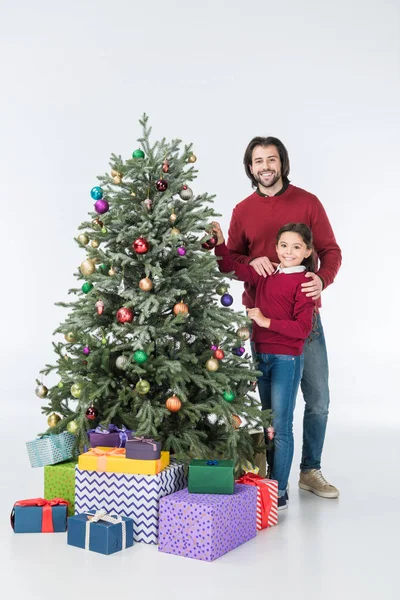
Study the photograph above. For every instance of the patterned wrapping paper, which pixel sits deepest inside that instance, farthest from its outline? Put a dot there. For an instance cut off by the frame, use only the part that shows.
(59, 482)
(51, 449)
(206, 526)
(113, 460)
(135, 496)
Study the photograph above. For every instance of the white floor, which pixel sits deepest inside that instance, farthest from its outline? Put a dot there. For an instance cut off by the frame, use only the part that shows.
(321, 549)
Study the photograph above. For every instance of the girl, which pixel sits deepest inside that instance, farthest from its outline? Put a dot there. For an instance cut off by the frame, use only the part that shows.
(282, 322)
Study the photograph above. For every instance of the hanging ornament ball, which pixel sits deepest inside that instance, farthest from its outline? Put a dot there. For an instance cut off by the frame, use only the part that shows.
(111, 272)
(138, 153)
(239, 351)
(122, 362)
(192, 158)
(114, 173)
(72, 427)
(99, 307)
(219, 354)
(173, 403)
(95, 243)
(165, 166)
(140, 357)
(222, 289)
(175, 231)
(173, 217)
(181, 250)
(243, 333)
(237, 421)
(181, 308)
(161, 185)
(87, 267)
(141, 246)
(104, 268)
(142, 386)
(96, 192)
(92, 413)
(226, 300)
(229, 396)
(214, 347)
(70, 337)
(211, 243)
(124, 315)
(270, 433)
(97, 224)
(53, 419)
(101, 206)
(76, 390)
(60, 384)
(87, 287)
(86, 351)
(104, 230)
(148, 203)
(83, 239)
(117, 179)
(186, 193)
(41, 391)
(146, 284)
(212, 365)
(104, 341)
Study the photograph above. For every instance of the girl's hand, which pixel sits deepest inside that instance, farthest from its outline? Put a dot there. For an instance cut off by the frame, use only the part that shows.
(256, 315)
(218, 232)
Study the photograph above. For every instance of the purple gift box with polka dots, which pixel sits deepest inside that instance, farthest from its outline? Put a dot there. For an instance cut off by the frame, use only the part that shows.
(206, 526)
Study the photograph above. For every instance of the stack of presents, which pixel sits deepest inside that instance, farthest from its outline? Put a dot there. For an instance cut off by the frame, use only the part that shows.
(125, 489)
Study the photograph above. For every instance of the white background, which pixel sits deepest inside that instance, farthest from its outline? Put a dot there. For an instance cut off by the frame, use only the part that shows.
(322, 76)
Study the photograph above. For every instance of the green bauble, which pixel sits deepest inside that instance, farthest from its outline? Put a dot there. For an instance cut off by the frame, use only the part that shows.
(87, 287)
(222, 288)
(104, 341)
(229, 396)
(76, 390)
(140, 356)
(70, 337)
(138, 153)
(142, 386)
(104, 230)
(72, 427)
(60, 384)
(104, 268)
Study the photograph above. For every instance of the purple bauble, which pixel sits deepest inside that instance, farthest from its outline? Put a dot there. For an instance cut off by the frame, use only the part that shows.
(101, 206)
(86, 350)
(226, 300)
(214, 347)
(239, 351)
(181, 250)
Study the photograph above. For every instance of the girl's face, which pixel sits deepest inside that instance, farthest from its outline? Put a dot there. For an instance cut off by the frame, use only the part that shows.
(291, 249)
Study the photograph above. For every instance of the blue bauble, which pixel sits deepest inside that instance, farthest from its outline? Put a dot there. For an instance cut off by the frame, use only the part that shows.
(226, 300)
(239, 351)
(96, 192)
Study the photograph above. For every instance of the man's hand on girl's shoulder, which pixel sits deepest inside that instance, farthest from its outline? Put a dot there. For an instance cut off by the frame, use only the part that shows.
(263, 266)
(313, 288)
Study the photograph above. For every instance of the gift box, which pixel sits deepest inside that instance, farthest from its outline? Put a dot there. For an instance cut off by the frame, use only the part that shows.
(135, 496)
(59, 482)
(110, 437)
(113, 460)
(206, 526)
(37, 515)
(51, 449)
(211, 477)
(100, 532)
(267, 499)
(143, 449)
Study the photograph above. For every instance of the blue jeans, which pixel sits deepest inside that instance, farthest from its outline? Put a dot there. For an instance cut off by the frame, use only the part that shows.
(278, 387)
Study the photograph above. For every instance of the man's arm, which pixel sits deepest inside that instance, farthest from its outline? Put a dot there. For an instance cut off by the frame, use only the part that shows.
(325, 245)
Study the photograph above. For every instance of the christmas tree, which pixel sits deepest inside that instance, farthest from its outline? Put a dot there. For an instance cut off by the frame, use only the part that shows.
(150, 342)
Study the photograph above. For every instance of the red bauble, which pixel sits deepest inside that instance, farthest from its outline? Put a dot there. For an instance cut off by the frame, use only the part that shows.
(270, 433)
(161, 185)
(92, 413)
(124, 315)
(211, 243)
(219, 354)
(141, 245)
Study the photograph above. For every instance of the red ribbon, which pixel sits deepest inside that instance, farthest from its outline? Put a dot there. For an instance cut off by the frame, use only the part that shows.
(47, 514)
(265, 496)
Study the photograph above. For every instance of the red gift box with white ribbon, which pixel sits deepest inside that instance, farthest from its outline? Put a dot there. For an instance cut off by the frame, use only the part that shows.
(267, 499)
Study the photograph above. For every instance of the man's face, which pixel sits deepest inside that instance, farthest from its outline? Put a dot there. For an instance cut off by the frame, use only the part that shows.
(266, 166)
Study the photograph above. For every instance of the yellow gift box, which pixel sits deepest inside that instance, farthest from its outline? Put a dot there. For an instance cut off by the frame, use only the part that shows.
(113, 460)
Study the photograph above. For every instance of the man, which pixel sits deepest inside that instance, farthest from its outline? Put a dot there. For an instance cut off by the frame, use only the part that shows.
(252, 236)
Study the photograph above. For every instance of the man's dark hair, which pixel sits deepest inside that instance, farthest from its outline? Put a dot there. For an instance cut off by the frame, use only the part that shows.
(266, 141)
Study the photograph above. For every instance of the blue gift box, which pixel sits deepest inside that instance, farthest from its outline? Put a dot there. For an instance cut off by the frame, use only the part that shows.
(29, 519)
(51, 449)
(103, 534)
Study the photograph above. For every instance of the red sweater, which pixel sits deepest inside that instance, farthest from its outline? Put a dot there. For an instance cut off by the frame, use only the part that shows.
(280, 298)
(256, 221)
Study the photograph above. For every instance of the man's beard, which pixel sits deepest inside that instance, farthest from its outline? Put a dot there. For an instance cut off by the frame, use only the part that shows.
(270, 183)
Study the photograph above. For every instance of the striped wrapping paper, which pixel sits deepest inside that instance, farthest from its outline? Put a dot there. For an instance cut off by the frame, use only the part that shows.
(267, 499)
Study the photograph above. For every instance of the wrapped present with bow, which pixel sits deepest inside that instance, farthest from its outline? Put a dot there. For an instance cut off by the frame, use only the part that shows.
(143, 448)
(113, 460)
(267, 499)
(110, 436)
(211, 476)
(51, 449)
(59, 481)
(100, 531)
(37, 515)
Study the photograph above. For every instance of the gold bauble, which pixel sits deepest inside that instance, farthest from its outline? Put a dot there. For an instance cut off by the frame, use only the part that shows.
(173, 218)
(117, 179)
(83, 239)
(133, 194)
(41, 391)
(114, 173)
(146, 284)
(111, 272)
(70, 337)
(95, 243)
(87, 267)
(53, 420)
(175, 231)
(192, 158)
(243, 333)
(181, 308)
(72, 427)
(212, 365)
(97, 223)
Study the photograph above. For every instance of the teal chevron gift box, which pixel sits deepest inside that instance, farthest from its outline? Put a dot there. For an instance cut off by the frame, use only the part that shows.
(51, 449)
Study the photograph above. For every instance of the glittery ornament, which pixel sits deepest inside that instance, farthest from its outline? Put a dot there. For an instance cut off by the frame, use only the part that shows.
(141, 246)
(226, 300)
(41, 391)
(70, 337)
(96, 192)
(72, 427)
(101, 206)
(87, 267)
(87, 287)
(92, 413)
(146, 284)
(239, 351)
(181, 308)
(161, 185)
(173, 403)
(122, 362)
(99, 307)
(181, 250)
(186, 193)
(219, 354)
(211, 243)
(212, 365)
(86, 351)
(83, 239)
(243, 333)
(124, 315)
(221, 289)
(138, 153)
(76, 390)
(270, 433)
(142, 386)
(140, 357)
(53, 419)
(228, 396)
